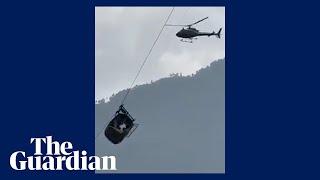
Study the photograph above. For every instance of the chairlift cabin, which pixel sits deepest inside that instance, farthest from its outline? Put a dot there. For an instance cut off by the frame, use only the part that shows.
(120, 126)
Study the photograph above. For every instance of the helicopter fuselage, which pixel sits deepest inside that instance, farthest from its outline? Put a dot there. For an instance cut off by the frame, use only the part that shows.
(191, 33)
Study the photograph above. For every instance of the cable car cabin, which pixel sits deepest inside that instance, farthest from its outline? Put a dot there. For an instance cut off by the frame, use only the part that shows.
(120, 126)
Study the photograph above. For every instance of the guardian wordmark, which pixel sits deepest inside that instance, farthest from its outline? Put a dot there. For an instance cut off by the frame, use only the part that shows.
(56, 156)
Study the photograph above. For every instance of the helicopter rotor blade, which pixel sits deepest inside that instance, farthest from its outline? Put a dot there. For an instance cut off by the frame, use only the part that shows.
(187, 25)
(175, 25)
(198, 21)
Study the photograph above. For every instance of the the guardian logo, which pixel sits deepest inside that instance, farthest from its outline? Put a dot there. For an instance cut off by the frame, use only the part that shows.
(59, 157)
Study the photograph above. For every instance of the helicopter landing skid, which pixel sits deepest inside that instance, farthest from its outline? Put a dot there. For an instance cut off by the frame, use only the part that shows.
(190, 40)
(182, 40)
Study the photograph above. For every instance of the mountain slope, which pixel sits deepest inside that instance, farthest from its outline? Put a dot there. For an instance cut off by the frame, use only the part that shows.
(182, 124)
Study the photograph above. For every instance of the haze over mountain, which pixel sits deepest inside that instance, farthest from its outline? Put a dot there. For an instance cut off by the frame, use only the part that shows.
(181, 124)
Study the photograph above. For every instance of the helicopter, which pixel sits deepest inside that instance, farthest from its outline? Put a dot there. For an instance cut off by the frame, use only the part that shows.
(190, 32)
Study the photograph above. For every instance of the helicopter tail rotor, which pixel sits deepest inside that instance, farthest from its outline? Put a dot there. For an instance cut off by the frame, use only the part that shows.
(219, 33)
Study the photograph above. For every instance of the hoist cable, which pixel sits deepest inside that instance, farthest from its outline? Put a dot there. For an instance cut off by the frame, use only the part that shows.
(146, 58)
(144, 61)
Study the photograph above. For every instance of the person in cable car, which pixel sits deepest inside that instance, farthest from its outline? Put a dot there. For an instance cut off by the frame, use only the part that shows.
(119, 127)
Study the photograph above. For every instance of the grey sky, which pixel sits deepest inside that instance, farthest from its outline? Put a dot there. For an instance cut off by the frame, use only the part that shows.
(123, 36)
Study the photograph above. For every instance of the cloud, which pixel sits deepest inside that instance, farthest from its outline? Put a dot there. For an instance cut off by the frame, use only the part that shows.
(170, 62)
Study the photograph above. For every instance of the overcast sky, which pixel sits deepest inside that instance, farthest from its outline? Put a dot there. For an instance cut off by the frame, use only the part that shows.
(124, 35)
